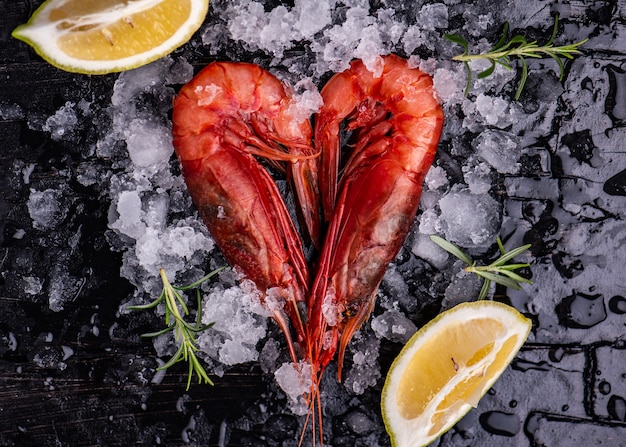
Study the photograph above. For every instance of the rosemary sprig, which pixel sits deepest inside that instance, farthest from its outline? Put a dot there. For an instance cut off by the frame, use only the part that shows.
(184, 333)
(517, 46)
(498, 271)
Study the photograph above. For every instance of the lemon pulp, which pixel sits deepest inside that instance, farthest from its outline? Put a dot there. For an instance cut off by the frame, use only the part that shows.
(132, 34)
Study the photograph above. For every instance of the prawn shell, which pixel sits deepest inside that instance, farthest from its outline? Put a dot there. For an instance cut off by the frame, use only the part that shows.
(398, 121)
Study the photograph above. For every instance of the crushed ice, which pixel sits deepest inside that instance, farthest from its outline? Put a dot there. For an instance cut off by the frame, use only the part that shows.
(296, 380)
(147, 194)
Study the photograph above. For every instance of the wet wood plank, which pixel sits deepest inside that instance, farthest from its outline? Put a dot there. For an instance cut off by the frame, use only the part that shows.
(102, 393)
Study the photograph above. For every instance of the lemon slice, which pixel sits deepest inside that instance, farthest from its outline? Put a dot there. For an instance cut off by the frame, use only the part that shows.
(105, 36)
(446, 367)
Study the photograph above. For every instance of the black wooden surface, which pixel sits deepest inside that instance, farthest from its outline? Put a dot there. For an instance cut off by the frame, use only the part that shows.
(103, 396)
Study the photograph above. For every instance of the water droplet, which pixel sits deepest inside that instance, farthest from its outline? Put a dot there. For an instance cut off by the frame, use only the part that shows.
(567, 266)
(580, 145)
(539, 236)
(513, 403)
(616, 185)
(556, 354)
(532, 424)
(604, 387)
(615, 104)
(581, 310)
(586, 84)
(565, 407)
(525, 365)
(617, 304)
(499, 423)
(534, 210)
(617, 408)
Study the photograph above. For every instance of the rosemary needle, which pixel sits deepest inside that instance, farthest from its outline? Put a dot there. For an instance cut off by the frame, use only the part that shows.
(499, 271)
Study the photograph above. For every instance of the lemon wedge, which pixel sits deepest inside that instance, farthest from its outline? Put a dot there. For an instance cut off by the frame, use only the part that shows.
(446, 367)
(106, 36)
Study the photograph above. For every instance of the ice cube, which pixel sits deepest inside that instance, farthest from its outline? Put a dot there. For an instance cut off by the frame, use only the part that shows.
(269, 356)
(62, 123)
(494, 110)
(307, 100)
(232, 352)
(426, 249)
(470, 219)
(131, 83)
(10, 112)
(32, 285)
(46, 208)
(312, 17)
(180, 72)
(450, 85)
(393, 325)
(295, 379)
(413, 38)
(500, 149)
(246, 22)
(365, 370)
(478, 176)
(463, 287)
(148, 142)
(369, 50)
(433, 16)
(279, 32)
(436, 178)
(236, 329)
(129, 211)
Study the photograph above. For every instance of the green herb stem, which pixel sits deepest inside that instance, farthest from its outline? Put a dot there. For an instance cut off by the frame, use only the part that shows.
(184, 332)
(497, 272)
(529, 50)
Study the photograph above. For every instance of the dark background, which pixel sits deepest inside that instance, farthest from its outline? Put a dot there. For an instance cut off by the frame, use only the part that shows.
(102, 396)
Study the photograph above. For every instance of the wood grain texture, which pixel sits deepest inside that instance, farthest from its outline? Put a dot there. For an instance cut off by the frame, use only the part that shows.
(102, 394)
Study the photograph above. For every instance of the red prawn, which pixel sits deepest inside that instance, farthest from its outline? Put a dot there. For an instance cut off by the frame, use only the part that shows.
(396, 121)
(228, 113)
